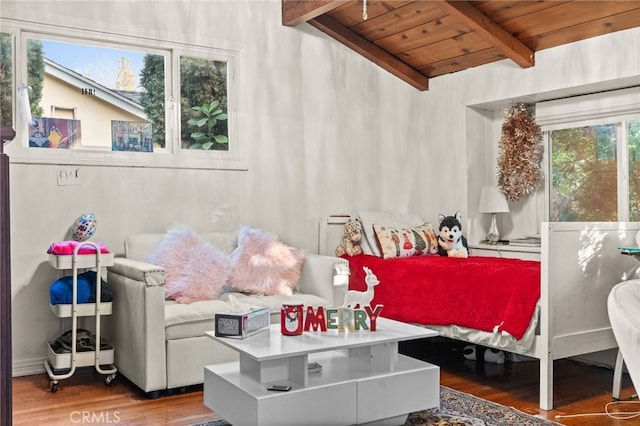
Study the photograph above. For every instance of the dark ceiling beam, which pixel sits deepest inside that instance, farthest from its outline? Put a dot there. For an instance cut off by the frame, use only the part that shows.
(380, 57)
(314, 12)
(508, 45)
(295, 12)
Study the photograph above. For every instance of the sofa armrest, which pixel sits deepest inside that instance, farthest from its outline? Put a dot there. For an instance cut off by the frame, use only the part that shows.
(137, 325)
(150, 275)
(318, 277)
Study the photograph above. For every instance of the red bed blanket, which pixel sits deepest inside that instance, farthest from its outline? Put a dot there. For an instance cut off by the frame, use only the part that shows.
(484, 293)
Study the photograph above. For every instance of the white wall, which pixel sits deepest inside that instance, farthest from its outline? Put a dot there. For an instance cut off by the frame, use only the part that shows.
(328, 132)
(465, 112)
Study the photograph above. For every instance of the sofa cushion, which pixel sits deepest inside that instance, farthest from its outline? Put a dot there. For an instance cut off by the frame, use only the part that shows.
(194, 319)
(264, 265)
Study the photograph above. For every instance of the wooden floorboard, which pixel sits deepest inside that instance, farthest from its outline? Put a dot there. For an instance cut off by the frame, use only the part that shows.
(85, 399)
(578, 388)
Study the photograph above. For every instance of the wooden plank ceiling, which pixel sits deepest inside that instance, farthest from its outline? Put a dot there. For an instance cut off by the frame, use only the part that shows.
(419, 40)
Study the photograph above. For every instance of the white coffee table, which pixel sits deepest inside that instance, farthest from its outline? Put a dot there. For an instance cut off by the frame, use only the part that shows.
(364, 380)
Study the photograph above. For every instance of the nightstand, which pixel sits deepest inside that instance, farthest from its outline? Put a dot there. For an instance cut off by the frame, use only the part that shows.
(505, 250)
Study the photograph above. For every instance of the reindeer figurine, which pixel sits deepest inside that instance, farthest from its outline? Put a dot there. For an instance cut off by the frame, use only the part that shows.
(354, 298)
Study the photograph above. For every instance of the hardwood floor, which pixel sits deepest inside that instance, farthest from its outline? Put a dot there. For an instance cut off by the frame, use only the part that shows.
(578, 388)
(85, 399)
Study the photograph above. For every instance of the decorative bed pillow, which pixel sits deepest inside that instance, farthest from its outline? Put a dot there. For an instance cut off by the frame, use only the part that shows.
(263, 265)
(404, 242)
(194, 269)
(392, 219)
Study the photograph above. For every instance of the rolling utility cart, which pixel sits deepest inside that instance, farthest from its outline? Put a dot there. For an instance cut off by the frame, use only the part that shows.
(57, 364)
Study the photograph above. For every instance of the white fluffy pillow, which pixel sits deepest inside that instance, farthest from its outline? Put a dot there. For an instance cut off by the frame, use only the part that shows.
(194, 269)
(263, 265)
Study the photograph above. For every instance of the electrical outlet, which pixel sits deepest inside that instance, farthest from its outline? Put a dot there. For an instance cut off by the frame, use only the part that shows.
(69, 176)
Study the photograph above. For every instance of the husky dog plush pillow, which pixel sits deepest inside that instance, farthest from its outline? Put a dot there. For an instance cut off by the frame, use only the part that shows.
(263, 265)
(450, 239)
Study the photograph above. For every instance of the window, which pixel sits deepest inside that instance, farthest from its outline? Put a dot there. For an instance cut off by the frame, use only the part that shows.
(117, 100)
(6, 80)
(594, 157)
(94, 97)
(203, 102)
(583, 163)
(633, 137)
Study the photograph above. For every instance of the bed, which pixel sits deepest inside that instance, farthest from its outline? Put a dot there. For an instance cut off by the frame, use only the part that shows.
(580, 263)
(437, 291)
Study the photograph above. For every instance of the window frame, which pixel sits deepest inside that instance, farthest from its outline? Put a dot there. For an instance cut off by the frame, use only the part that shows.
(170, 157)
(233, 151)
(612, 107)
(13, 91)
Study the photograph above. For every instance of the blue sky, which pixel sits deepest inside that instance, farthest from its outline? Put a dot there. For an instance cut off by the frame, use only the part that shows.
(100, 64)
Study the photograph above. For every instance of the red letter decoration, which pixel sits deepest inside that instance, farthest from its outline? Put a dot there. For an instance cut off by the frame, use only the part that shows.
(291, 319)
(315, 320)
(373, 315)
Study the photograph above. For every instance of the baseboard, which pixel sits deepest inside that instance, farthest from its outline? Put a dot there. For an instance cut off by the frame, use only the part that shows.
(28, 367)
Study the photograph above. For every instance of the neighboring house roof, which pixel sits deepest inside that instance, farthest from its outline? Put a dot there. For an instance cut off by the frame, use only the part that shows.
(134, 96)
(101, 92)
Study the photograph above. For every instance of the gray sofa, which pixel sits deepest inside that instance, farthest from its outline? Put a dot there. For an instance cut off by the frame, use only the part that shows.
(160, 344)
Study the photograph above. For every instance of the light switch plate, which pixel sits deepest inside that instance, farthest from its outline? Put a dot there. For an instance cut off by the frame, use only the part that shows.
(69, 176)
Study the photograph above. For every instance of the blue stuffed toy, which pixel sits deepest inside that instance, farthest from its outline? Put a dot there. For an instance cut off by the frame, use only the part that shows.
(451, 242)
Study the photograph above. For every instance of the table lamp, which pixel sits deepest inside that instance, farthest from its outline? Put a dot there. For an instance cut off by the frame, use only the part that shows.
(492, 201)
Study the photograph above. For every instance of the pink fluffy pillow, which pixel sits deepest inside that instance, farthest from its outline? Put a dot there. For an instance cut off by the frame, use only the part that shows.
(194, 269)
(262, 265)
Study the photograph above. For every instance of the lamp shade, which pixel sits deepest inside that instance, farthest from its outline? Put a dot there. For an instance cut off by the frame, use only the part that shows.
(492, 201)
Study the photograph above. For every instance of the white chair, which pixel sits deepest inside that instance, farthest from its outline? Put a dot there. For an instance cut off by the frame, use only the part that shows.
(623, 306)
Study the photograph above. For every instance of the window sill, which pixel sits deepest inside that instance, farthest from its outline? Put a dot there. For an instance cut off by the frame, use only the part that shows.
(180, 160)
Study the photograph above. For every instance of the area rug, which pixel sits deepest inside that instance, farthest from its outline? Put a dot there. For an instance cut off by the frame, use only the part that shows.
(462, 409)
(457, 409)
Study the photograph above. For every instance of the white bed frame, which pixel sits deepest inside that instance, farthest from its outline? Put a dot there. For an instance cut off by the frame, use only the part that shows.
(580, 263)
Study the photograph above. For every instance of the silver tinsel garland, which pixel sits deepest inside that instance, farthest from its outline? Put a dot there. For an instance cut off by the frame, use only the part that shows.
(520, 154)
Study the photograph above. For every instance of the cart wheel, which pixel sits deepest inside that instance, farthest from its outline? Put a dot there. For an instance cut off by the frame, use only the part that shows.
(53, 386)
(108, 380)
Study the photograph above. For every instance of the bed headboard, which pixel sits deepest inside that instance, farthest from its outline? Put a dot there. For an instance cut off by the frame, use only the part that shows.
(330, 234)
(580, 264)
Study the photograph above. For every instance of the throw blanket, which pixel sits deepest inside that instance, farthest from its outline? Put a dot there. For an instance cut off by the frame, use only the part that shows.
(484, 293)
(61, 290)
(67, 248)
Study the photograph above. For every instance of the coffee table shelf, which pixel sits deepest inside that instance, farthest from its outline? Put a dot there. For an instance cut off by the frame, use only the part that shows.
(363, 379)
